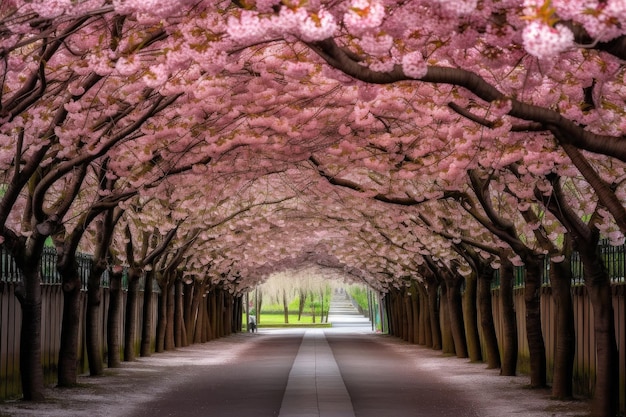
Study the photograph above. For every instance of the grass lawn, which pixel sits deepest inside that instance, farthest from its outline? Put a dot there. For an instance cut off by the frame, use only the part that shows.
(278, 320)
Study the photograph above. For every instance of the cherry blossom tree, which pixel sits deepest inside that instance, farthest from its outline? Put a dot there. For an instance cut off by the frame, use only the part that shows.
(460, 120)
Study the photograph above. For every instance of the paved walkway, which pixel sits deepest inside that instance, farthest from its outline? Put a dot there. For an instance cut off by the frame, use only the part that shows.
(315, 387)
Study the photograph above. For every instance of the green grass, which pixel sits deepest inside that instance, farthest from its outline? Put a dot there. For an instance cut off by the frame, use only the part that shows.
(359, 294)
(278, 320)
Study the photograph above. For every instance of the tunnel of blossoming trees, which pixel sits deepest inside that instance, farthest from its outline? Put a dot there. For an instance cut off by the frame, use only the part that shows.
(423, 147)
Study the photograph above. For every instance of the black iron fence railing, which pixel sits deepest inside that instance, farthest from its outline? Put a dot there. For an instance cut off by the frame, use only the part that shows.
(10, 273)
(614, 260)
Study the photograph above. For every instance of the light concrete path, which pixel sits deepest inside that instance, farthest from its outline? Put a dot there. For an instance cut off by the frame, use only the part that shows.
(315, 387)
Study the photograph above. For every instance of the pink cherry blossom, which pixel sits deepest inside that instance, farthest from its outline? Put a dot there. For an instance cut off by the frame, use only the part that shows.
(545, 42)
(376, 45)
(363, 15)
(318, 26)
(414, 65)
(50, 9)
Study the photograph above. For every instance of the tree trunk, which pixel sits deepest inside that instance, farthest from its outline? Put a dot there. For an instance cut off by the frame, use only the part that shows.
(301, 303)
(130, 329)
(194, 329)
(114, 336)
(536, 346)
(285, 306)
(188, 316)
(485, 275)
(313, 307)
(161, 321)
(389, 313)
(447, 339)
(509, 321)
(426, 334)
(228, 314)
(213, 312)
(219, 314)
(470, 314)
(171, 317)
(321, 306)
(146, 326)
(433, 306)
(455, 311)
(238, 315)
(203, 323)
(415, 308)
(606, 394)
(560, 284)
(259, 306)
(180, 333)
(92, 319)
(67, 375)
(29, 296)
(407, 317)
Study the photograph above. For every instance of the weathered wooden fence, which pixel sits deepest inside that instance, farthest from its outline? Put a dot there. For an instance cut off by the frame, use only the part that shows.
(52, 309)
(585, 359)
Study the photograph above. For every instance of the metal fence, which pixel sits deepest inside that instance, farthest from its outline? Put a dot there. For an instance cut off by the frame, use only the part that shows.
(614, 260)
(9, 273)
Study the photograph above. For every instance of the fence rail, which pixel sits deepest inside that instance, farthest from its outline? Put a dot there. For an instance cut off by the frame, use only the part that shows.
(614, 260)
(9, 273)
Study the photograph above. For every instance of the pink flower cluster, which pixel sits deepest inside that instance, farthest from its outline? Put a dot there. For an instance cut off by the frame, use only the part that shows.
(604, 20)
(318, 27)
(248, 28)
(49, 9)
(376, 45)
(251, 27)
(544, 41)
(414, 65)
(150, 7)
(458, 7)
(364, 15)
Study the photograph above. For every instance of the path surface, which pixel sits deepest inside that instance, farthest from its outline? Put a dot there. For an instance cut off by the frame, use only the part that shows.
(345, 371)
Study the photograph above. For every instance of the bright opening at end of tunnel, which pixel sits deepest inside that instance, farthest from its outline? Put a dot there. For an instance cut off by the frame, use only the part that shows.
(311, 298)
